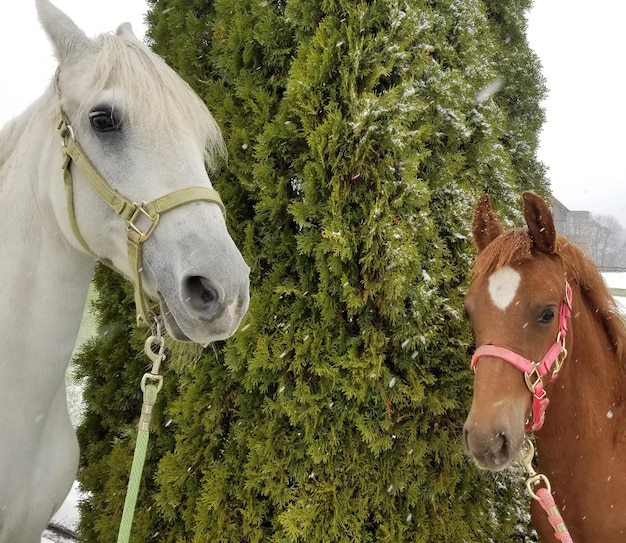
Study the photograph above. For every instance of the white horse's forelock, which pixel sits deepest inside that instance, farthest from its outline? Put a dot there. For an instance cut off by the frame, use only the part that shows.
(156, 99)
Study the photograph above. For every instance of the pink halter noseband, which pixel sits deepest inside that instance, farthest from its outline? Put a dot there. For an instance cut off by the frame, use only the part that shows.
(534, 371)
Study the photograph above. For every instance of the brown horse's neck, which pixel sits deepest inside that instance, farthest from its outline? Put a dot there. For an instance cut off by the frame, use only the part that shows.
(588, 398)
(581, 445)
(590, 393)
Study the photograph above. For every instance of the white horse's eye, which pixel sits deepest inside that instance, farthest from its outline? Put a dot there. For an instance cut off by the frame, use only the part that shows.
(104, 121)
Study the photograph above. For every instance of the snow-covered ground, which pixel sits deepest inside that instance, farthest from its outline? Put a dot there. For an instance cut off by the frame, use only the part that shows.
(617, 280)
(67, 516)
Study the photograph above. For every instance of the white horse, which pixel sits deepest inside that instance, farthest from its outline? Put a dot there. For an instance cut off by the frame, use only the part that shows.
(148, 135)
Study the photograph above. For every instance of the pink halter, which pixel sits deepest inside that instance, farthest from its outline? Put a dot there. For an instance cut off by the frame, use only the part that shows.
(534, 371)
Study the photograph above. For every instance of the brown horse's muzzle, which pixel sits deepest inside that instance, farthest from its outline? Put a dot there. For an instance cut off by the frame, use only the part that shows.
(494, 430)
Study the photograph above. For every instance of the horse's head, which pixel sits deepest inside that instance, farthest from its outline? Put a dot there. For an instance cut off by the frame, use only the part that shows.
(514, 304)
(148, 135)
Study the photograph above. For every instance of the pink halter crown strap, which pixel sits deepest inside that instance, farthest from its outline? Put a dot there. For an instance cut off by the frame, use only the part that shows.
(534, 371)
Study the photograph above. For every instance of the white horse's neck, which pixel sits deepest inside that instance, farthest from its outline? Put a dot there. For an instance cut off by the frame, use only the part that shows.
(43, 279)
(43, 286)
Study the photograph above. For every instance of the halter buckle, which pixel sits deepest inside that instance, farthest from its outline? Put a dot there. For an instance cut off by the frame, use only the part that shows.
(141, 214)
(558, 361)
(65, 130)
(558, 364)
(532, 382)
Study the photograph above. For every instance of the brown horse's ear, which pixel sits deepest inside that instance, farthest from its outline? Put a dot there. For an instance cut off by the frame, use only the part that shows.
(485, 227)
(540, 222)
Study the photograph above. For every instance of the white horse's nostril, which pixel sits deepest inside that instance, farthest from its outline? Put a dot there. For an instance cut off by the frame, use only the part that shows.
(202, 295)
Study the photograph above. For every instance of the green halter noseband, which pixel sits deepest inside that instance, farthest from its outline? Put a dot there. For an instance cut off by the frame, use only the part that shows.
(141, 219)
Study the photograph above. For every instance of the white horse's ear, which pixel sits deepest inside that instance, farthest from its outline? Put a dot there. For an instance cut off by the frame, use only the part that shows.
(67, 39)
(125, 30)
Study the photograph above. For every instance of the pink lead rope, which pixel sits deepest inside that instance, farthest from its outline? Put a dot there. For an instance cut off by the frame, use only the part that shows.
(544, 494)
(554, 516)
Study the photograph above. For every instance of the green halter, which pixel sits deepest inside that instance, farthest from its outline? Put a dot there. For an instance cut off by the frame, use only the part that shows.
(141, 219)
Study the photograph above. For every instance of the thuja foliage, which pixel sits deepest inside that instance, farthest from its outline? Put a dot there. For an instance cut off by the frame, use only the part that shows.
(360, 134)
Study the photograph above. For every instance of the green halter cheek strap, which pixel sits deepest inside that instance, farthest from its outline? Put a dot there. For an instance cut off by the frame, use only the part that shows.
(141, 219)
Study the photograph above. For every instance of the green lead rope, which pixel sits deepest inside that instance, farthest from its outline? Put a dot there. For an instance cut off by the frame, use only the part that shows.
(141, 447)
(150, 391)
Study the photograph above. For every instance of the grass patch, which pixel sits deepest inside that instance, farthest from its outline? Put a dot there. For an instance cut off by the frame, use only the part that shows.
(618, 292)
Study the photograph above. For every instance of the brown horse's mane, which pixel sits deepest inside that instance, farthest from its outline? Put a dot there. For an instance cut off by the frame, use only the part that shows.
(516, 246)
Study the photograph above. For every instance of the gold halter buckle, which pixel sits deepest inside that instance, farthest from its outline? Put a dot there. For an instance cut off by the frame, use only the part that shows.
(141, 214)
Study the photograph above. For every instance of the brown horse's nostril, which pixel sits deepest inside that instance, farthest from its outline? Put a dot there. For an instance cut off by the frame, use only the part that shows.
(501, 445)
(491, 450)
(202, 295)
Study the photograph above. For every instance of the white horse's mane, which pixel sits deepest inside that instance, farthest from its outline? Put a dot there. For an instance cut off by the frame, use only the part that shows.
(7, 140)
(155, 96)
(156, 99)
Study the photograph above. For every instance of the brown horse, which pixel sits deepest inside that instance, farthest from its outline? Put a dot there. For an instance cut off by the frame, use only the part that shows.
(526, 283)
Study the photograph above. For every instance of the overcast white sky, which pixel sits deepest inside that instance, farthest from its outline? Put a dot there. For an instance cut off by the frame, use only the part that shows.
(582, 49)
(580, 44)
(27, 63)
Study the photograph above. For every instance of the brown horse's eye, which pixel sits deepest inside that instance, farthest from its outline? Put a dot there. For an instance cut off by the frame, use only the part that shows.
(547, 316)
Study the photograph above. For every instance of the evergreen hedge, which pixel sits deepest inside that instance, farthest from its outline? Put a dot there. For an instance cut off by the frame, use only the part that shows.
(360, 134)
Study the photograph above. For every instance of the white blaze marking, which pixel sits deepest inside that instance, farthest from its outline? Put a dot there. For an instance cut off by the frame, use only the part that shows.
(503, 286)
